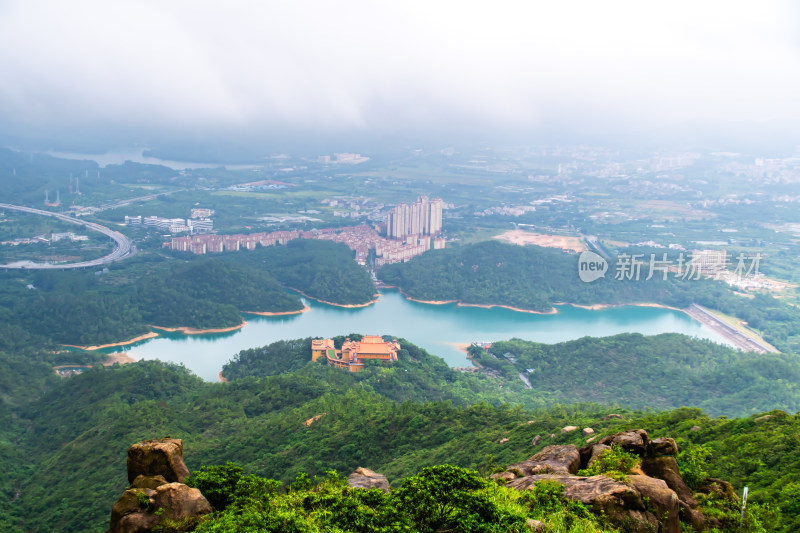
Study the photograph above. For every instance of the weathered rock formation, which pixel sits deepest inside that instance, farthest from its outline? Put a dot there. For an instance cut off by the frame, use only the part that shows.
(157, 457)
(364, 478)
(552, 460)
(156, 472)
(655, 499)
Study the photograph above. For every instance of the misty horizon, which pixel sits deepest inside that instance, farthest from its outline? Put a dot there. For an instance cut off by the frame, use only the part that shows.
(718, 75)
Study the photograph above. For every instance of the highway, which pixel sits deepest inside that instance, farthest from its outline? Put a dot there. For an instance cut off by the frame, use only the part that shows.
(740, 340)
(124, 247)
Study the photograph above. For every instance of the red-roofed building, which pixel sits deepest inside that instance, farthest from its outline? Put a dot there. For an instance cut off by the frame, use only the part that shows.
(354, 353)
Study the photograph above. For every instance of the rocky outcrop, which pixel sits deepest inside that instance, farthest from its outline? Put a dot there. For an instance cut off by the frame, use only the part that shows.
(666, 468)
(653, 498)
(552, 460)
(156, 472)
(157, 457)
(634, 441)
(364, 478)
(619, 502)
(141, 509)
(662, 501)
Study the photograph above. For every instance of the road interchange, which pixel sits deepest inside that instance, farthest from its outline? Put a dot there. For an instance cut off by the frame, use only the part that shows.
(124, 247)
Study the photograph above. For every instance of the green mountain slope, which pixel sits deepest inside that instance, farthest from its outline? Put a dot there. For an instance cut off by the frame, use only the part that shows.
(68, 444)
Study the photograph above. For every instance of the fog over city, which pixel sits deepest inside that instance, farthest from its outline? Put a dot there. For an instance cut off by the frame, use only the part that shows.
(146, 69)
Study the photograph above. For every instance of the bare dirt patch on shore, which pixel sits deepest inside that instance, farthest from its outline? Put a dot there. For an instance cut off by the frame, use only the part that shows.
(121, 358)
(523, 238)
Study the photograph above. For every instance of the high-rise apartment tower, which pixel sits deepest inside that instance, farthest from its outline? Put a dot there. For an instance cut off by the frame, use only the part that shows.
(423, 217)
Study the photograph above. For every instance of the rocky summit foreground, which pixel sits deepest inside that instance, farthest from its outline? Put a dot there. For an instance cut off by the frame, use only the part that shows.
(653, 498)
(645, 494)
(156, 472)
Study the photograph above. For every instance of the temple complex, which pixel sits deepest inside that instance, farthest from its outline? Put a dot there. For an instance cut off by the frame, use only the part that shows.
(353, 353)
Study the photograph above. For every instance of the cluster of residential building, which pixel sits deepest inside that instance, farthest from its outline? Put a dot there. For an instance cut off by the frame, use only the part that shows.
(361, 239)
(202, 244)
(411, 230)
(354, 354)
(391, 251)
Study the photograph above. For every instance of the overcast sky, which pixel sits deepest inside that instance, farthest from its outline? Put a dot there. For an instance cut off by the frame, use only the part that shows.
(184, 66)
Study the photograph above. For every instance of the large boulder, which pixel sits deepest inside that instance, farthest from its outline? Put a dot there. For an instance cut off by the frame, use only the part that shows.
(129, 514)
(148, 482)
(633, 441)
(595, 451)
(660, 500)
(364, 478)
(157, 457)
(620, 503)
(662, 446)
(180, 501)
(139, 510)
(554, 459)
(156, 472)
(666, 468)
(653, 497)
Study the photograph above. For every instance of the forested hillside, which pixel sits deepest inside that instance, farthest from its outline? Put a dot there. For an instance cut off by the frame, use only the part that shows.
(664, 371)
(536, 278)
(323, 270)
(657, 372)
(86, 308)
(68, 452)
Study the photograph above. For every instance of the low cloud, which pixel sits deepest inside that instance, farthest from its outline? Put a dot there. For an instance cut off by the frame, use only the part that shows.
(311, 65)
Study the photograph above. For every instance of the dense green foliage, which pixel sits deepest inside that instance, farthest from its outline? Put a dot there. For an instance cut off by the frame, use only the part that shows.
(70, 448)
(417, 375)
(535, 278)
(248, 289)
(437, 499)
(671, 370)
(209, 293)
(614, 462)
(660, 372)
(323, 270)
(486, 273)
(277, 358)
(84, 308)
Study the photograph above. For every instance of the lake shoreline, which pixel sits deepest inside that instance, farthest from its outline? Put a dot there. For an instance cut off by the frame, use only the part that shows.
(553, 311)
(149, 335)
(464, 304)
(346, 306)
(194, 331)
(278, 313)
